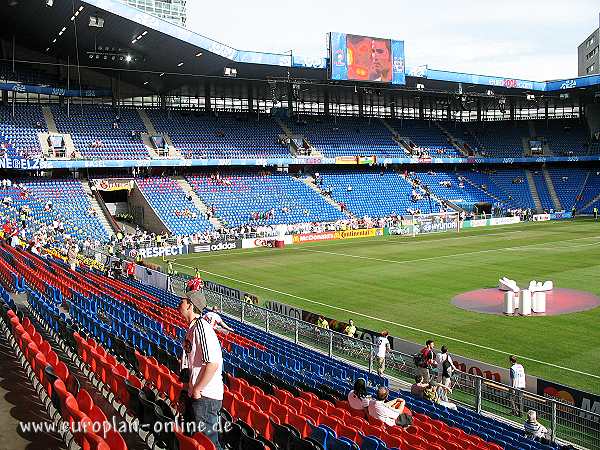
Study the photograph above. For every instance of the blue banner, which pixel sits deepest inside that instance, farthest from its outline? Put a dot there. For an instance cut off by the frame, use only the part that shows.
(398, 76)
(28, 164)
(338, 56)
(561, 215)
(46, 90)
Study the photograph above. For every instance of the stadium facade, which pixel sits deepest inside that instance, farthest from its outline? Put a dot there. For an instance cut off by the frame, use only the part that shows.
(173, 10)
(588, 55)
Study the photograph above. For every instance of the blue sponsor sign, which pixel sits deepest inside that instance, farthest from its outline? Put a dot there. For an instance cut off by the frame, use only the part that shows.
(46, 90)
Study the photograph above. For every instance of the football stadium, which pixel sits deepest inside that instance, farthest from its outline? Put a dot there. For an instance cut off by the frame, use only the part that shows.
(209, 248)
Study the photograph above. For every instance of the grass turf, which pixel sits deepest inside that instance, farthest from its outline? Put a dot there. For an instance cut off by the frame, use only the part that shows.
(389, 281)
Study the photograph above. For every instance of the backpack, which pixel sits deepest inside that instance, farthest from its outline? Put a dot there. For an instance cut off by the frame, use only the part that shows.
(404, 420)
(418, 359)
(430, 394)
(447, 368)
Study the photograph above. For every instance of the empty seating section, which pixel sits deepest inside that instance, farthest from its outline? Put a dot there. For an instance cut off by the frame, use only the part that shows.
(26, 74)
(426, 135)
(451, 189)
(565, 137)
(493, 139)
(91, 123)
(373, 194)
(70, 204)
(514, 183)
(20, 131)
(271, 380)
(172, 206)
(347, 136)
(225, 136)
(239, 197)
(542, 190)
(590, 193)
(568, 184)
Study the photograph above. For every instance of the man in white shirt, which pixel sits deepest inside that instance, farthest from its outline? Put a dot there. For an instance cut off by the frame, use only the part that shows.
(518, 383)
(387, 412)
(383, 346)
(215, 320)
(445, 366)
(203, 356)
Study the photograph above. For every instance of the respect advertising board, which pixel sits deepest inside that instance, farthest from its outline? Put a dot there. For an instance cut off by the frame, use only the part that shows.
(156, 252)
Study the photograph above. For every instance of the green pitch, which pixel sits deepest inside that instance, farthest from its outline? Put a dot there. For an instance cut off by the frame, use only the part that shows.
(391, 281)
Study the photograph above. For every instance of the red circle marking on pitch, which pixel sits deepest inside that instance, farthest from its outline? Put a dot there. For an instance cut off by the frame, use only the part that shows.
(558, 301)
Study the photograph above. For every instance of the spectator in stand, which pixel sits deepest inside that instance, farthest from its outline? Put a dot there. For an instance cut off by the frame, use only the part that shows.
(215, 320)
(203, 357)
(445, 366)
(438, 394)
(386, 411)
(518, 383)
(358, 398)
(383, 346)
(350, 329)
(418, 387)
(427, 361)
(322, 323)
(534, 429)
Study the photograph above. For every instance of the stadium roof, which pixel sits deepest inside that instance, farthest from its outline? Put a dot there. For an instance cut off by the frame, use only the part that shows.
(166, 58)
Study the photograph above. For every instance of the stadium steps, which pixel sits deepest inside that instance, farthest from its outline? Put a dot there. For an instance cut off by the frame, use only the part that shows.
(534, 192)
(197, 201)
(286, 130)
(151, 131)
(475, 185)
(314, 187)
(49, 118)
(551, 190)
(99, 211)
(532, 130)
(455, 142)
(432, 195)
(284, 127)
(397, 138)
(590, 203)
(52, 129)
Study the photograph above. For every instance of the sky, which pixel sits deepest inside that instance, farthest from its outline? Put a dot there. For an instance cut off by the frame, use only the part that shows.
(526, 39)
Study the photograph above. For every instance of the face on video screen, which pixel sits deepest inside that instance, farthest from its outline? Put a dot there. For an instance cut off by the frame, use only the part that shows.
(369, 59)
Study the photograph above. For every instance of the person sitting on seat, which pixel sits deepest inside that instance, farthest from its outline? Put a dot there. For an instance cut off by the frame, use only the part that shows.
(386, 411)
(358, 398)
(534, 429)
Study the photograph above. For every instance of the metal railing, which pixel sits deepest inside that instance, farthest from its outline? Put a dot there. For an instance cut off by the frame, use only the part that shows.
(563, 421)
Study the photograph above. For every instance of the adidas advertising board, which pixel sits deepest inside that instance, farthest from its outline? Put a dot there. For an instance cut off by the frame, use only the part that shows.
(215, 246)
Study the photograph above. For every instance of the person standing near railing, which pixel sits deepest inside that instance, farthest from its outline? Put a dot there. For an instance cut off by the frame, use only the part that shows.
(518, 383)
(383, 347)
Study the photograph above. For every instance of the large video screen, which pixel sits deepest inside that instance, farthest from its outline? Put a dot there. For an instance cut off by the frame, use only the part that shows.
(363, 58)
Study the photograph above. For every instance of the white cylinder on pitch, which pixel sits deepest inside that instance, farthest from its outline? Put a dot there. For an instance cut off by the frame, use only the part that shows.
(540, 302)
(525, 302)
(509, 302)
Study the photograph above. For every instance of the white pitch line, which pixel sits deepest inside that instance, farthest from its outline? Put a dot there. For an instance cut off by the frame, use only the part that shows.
(354, 313)
(404, 240)
(433, 258)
